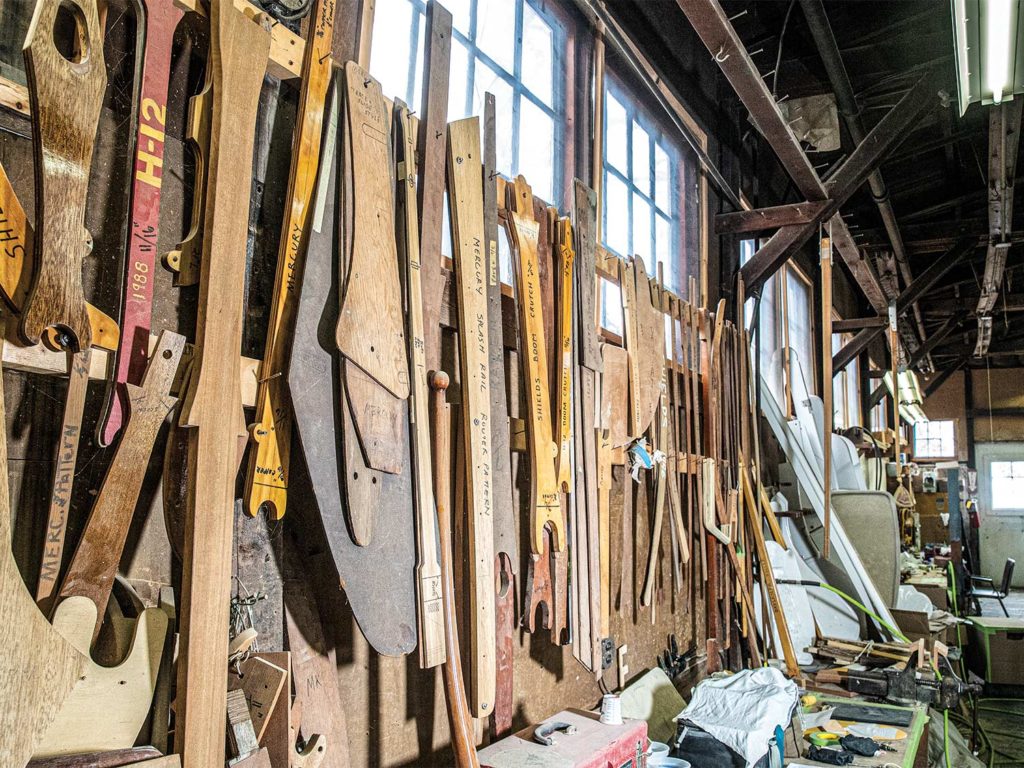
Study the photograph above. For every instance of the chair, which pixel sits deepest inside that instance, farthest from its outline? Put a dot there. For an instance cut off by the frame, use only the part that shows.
(984, 588)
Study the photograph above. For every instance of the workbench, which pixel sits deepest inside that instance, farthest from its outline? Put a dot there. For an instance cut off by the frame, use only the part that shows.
(911, 752)
(932, 583)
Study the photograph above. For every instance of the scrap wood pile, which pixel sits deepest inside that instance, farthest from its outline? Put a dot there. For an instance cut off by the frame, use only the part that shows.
(352, 368)
(840, 654)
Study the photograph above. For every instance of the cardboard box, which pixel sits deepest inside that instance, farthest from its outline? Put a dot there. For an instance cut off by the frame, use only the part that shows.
(915, 625)
(998, 649)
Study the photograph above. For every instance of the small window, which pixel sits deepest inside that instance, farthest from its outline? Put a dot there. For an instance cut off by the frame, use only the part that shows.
(1007, 482)
(936, 440)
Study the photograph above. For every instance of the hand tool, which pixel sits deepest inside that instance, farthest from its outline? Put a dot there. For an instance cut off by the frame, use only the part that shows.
(17, 245)
(428, 569)
(66, 99)
(432, 151)
(266, 481)
(378, 579)
(98, 554)
(459, 718)
(370, 330)
(239, 49)
(545, 501)
(63, 478)
(183, 261)
(159, 18)
(465, 203)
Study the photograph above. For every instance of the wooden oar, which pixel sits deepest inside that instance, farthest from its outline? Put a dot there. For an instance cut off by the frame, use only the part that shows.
(465, 202)
(66, 98)
(98, 554)
(266, 480)
(459, 718)
(17, 247)
(428, 570)
(239, 49)
(160, 19)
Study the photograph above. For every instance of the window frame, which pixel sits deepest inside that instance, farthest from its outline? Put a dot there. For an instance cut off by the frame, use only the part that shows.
(951, 456)
(987, 455)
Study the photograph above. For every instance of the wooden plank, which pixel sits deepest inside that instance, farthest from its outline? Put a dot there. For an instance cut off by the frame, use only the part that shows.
(564, 438)
(647, 349)
(159, 20)
(371, 332)
(586, 229)
(828, 416)
(761, 219)
(144, 755)
(277, 734)
(428, 568)
(239, 47)
(432, 151)
(465, 201)
(266, 481)
(98, 554)
(66, 100)
(261, 681)
(545, 501)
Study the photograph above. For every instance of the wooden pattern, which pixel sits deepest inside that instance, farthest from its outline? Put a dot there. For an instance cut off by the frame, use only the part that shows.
(123, 693)
(828, 415)
(159, 20)
(266, 481)
(465, 201)
(566, 257)
(660, 479)
(430, 611)
(63, 478)
(213, 406)
(647, 353)
(586, 231)
(545, 499)
(277, 733)
(432, 152)
(183, 261)
(66, 99)
(261, 681)
(370, 329)
(459, 717)
(378, 579)
(505, 613)
(17, 244)
(362, 482)
(98, 554)
(112, 759)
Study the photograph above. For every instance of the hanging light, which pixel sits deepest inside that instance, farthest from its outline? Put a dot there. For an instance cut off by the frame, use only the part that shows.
(988, 38)
(910, 397)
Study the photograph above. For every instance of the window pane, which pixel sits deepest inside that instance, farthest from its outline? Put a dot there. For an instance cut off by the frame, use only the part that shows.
(1007, 484)
(934, 439)
(496, 31)
(611, 306)
(615, 134)
(662, 178)
(537, 54)
(663, 249)
(487, 80)
(616, 215)
(390, 58)
(642, 231)
(460, 10)
(457, 82)
(798, 306)
(853, 394)
(537, 149)
(641, 159)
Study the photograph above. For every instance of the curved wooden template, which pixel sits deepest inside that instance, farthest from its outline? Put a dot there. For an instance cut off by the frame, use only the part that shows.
(648, 350)
(66, 100)
(377, 415)
(378, 579)
(266, 481)
(109, 705)
(362, 483)
(16, 248)
(371, 329)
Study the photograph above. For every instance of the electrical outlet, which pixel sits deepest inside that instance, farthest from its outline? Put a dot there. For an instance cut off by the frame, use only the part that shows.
(607, 653)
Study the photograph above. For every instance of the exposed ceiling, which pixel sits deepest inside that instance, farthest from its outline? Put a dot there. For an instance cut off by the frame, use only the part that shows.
(937, 178)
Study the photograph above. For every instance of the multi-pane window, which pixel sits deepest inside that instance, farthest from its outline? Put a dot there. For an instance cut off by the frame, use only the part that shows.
(514, 49)
(845, 387)
(1007, 482)
(768, 320)
(936, 440)
(799, 326)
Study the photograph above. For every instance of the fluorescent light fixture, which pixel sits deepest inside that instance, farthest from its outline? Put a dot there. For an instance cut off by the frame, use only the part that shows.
(910, 396)
(988, 38)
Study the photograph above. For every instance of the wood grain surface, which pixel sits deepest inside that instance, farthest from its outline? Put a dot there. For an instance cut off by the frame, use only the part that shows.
(266, 481)
(565, 311)
(239, 48)
(98, 554)
(371, 330)
(465, 202)
(261, 681)
(66, 99)
(430, 610)
(115, 759)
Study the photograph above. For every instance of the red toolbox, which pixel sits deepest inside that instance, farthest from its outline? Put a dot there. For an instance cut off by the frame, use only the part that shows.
(593, 745)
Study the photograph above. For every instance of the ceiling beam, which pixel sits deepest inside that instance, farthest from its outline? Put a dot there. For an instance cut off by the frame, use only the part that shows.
(717, 33)
(932, 341)
(760, 219)
(844, 182)
(1003, 140)
(856, 323)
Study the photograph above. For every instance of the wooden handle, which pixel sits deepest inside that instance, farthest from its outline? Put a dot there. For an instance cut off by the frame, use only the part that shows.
(66, 95)
(463, 739)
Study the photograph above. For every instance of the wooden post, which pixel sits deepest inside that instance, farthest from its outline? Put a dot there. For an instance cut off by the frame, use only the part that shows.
(826, 383)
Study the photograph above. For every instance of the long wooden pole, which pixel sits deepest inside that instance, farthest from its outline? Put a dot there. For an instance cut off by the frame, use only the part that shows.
(461, 722)
(826, 384)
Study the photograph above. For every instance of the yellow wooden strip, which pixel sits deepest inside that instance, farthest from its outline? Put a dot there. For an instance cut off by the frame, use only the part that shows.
(567, 256)
(465, 200)
(266, 481)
